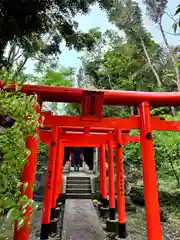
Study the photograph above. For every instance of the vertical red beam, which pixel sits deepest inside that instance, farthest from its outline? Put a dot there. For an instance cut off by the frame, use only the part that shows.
(46, 213)
(149, 174)
(100, 174)
(120, 186)
(112, 210)
(56, 187)
(103, 173)
(28, 176)
(60, 177)
(58, 173)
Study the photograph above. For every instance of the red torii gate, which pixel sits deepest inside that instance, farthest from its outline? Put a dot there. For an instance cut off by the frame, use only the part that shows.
(86, 139)
(126, 124)
(90, 101)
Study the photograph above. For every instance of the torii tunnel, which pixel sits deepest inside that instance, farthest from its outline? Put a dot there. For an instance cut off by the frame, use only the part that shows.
(96, 131)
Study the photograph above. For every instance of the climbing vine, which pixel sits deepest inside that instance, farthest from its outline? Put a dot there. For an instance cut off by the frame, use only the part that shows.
(13, 153)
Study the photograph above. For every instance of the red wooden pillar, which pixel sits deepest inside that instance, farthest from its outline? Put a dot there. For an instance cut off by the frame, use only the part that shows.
(28, 176)
(112, 210)
(100, 174)
(56, 176)
(149, 174)
(60, 175)
(120, 187)
(56, 186)
(103, 174)
(46, 226)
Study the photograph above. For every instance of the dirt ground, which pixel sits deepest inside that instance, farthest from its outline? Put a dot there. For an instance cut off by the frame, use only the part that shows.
(136, 227)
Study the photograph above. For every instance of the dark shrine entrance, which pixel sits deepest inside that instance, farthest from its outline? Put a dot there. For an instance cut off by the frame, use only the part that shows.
(88, 153)
(88, 157)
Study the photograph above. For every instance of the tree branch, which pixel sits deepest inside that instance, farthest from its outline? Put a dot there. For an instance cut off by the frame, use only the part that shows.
(150, 64)
(22, 65)
(171, 55)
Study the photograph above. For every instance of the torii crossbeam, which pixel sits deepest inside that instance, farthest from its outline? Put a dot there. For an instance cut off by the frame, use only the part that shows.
(92, 102)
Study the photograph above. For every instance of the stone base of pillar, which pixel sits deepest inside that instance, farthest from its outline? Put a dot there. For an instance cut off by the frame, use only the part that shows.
(112, 213)
(45, 230)
(53, 213)
(104, 212)
(122, 231)
(53, 227)
(105, 202)
(112, 226)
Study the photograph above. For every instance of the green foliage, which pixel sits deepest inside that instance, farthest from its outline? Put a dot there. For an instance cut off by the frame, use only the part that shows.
(167, 154)
(156, 9)
(73, 109)
(57, 78)
(9, 75)
(134, 62)
(42, 156)
(177, 23)
(38, 27)
(51, 75)
(13, 152)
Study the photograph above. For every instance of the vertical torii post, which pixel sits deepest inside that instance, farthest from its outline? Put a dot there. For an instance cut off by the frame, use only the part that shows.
(149, 174)
(120, 186)
(100, 175)
(46, 226)
(28, 176)
(104, 209)
(57, 186)
(112, 221)
(60, 172)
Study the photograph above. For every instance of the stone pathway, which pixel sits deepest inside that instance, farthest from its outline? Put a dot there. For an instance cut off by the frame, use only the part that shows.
(81, 221)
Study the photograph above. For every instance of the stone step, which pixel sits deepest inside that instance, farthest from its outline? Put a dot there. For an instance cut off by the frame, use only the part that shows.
(78, 182)
(75, 190)
(78, 196)
(81, 186)
(78, 178)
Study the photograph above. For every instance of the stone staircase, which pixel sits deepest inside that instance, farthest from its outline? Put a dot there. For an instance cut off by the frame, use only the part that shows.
(78, 187)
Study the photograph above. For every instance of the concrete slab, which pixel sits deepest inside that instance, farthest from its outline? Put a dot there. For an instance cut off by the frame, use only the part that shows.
(80, 174)
(81, 221)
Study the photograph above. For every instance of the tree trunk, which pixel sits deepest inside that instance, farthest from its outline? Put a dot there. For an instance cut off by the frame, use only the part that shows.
(109, 81)
(173, 111)
(175, 173)
(150, 64)
(132, 110)
(3, 62)
(22, 64)
(171, 55)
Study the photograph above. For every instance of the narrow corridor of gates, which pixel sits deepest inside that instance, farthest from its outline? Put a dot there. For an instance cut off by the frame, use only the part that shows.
(92, 130)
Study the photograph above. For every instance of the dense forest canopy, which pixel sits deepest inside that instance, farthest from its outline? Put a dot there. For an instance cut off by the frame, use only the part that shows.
(38, 27)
